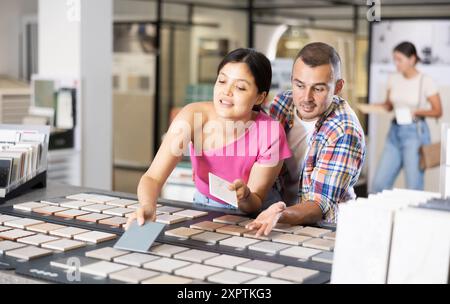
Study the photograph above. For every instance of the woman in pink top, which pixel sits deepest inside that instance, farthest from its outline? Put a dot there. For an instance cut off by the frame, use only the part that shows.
(225, 137)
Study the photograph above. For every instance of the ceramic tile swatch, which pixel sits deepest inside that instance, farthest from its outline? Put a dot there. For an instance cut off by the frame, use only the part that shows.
(324, 257)
(300, 252)
(15, 234)
(330, 236)
(102, 269)
(49, 210)
(95, 237)
(230, 219)
(133, 275)
(197, 271)
(259, 267)
(118, 211)
(97, 208)
(167, 250)
(114, 221)
(295, 274)
(68, 232)
(76, 204)
(56, 201)
(207, 225)
(313, 231)
(232, 230)
(101, 199)
(271, 235)
(71, 213)
(169, 209)
(194, 255)
(321, 244)
(135, 259)
(182, 232)
(267, 280)
(7, 218)
(166, 218)
(93, 217)
(268, 247)
(286, 228)
(165, 265)
(292, 239)
(209, 237)
(134, 206)
(8, 245)
(28, 253)
(105, 253)
(45, 227)
(3, 228)
(23, 223)
(191, 213)
(122, 202)
(167, 279)
(231, 277)
(238, 242)
(226, 261)
(37, 239)
(29, 206)
(80, 196)
(64, 245)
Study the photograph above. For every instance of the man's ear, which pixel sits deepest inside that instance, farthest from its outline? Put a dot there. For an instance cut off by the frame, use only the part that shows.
(261, 98)
(339, 86)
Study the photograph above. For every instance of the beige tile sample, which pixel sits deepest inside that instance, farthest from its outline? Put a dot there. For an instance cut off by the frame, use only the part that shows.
(68, 232)
(259, 267)
(207, 225)
(210, 237)
(286, 228)
(238, 242)
(116, 221)
(102, 268)
(313, 231)
(135, 259)
(71, 213)
(118, 211)
(45, 227)
(37, 239)
(197, 271)
(232, 230)
(321, 244)
(9, 245)
(165, 265)
(122, 202)
(194, 255)
(271, 235)
(291, 239)
(169, 209)
(295, 274)
(169, 219)
(167, 250)
(95, 236)
(23, 223)
(133, 275)
(298, 252)
(15, 234)
(99, 208)
(182, 232)
(6, 218)
(28, 253)
(93, 217)
(226, 261)
(230, 219)
(75, 204)
(231, 277)
(49, 210)
(268, 247)
(29, 206)
(105, 253)
(191, 213)
(64, 245)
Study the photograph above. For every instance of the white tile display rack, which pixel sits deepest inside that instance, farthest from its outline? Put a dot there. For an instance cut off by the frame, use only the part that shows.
(37, 177)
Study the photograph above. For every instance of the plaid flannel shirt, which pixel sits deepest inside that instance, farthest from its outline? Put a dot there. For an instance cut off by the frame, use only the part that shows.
(335, 157)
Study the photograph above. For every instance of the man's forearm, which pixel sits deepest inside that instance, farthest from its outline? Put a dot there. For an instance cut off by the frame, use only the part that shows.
(302, 214)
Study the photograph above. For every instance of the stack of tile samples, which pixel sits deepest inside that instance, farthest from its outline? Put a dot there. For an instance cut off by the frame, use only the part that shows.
(27, 239)
(22, 156)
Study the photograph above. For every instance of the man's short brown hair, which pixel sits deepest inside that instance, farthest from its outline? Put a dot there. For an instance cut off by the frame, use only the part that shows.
(319, 53)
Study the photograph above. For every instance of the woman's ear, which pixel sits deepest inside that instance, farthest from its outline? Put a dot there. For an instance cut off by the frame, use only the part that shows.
(260, 99)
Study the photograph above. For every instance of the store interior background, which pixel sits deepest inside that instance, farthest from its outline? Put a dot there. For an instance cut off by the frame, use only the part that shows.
(127, 90)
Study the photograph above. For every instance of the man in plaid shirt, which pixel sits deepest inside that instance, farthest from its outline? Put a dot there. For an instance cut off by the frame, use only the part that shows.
(335, 151)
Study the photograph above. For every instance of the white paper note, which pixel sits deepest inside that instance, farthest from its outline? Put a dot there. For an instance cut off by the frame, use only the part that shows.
(218, 187)
(403, 116)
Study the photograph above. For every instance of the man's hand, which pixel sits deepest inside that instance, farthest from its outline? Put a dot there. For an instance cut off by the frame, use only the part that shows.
(242, 191)
(267, 219)
(142, 214)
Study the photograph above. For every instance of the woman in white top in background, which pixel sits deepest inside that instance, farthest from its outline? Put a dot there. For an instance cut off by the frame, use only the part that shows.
(413, 96)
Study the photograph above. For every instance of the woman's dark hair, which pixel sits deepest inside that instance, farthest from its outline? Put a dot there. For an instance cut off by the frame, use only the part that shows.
(408, 49)
(258, 64)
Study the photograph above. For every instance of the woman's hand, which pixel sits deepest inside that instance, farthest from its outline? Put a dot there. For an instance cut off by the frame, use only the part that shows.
(142, 214)
(267, 219)
(242, 191)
